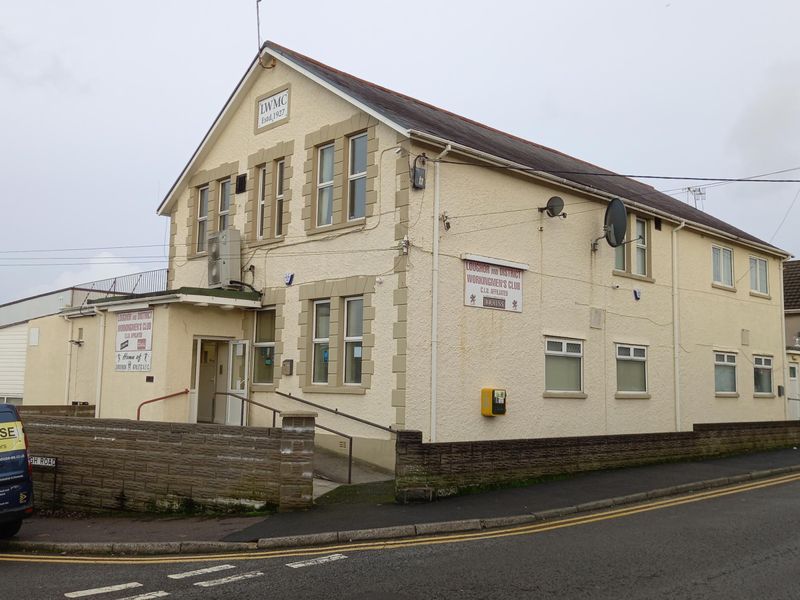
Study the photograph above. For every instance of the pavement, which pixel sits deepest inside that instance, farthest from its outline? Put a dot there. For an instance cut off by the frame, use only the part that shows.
(366, 511)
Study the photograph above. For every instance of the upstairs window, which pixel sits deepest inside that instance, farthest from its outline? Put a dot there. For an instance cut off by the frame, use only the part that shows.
(619, 258)
(224, 203)
(325, 186)
(357, 177)
(758, 275)
(321, 341)
(762, 374)
(722, 259)
(640, 260)
(262, 202)
(202, 218)
(563, 365)
(278, 221)
(631, 368)
(724, 372)
(264, 345)
(353, 338)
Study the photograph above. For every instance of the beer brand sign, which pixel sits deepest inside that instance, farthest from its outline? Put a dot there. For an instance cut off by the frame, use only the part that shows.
(495, 286)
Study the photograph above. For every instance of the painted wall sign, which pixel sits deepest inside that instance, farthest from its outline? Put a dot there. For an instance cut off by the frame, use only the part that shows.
(134, 343)
(272, 109)
(492, 286)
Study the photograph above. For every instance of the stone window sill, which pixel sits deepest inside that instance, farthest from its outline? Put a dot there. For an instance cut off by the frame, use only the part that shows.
(264, 242)
(336, 227)
(632, 396)
(329, 389)
(263, 387)
(763, 395)
(628, 275)
(720, 286)
(560, 394)
(726, 394)
(197, 255)
(755, 294)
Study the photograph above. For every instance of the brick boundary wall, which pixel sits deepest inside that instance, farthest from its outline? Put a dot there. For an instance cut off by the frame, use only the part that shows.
(56, 410)
(119, 464)
(429, 471)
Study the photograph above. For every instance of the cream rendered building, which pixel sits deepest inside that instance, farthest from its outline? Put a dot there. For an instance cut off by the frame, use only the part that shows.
(350, 272)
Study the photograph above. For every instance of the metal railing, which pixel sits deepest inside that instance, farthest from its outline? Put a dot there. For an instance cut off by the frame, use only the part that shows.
(336, 411)
(276, 411)
(139, 409)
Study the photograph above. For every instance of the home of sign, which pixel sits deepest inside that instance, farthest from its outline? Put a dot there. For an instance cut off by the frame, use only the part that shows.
(493, 283)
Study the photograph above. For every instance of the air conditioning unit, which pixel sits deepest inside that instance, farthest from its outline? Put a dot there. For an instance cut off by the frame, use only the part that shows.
(224, 258)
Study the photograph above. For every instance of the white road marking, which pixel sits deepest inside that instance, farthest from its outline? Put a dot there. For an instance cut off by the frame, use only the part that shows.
(201, 571)
(103, 590)
(149, 596)
(316, 561)
(231, 579)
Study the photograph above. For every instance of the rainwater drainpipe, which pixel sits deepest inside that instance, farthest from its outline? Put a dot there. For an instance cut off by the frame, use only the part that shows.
(435, 291)
(68, 374)
(782, 316)
(676, 328)
(100, 346)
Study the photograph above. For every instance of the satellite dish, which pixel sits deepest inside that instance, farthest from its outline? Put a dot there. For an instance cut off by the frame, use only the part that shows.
(616, 223)
(554, 207)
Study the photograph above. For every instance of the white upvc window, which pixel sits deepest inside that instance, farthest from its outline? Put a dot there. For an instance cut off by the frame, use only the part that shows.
(762, 374)
(202, 218)
(264, 346)
(631, 368)
(619, 258)
(325, 185)
(353, 339)
(563, 365)
(722, 264)
(262, 201)
(724, 372)
(357, 177)
(758, 275)
(321, 328)
(278, 220)
(224, 203)
(640, 258)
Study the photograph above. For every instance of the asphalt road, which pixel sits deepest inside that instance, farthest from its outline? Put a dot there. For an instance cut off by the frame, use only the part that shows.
(721, 544)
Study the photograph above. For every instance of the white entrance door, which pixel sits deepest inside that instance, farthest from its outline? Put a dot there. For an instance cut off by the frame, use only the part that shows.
(237, 383)
(794, 393)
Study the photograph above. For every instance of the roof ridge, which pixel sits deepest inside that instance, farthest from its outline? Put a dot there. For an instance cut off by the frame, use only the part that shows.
(274, 45)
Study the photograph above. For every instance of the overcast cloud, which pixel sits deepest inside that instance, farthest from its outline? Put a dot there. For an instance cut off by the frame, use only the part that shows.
(102, 103)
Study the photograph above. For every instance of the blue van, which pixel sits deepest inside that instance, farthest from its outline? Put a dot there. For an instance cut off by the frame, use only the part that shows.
(16, 483)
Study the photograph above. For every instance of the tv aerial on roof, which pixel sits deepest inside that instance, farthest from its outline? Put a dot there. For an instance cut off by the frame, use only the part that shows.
(615, 225)
(554, 207)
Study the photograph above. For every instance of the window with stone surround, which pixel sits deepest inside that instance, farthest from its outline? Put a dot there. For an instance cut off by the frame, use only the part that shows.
(202, 218)
(267, 211)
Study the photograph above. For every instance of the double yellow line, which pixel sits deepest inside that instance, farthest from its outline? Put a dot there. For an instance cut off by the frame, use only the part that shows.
(410, 542)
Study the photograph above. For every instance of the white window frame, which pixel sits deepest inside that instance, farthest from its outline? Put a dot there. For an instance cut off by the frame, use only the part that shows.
(202, 240)
(620, 251)
(224, 215)
(764, 361)
(726, 363)
(262, 193)
(277, 221)
(761, 264)
(257, 345)
(355, 338)
(315, 340)
(354, 176)
(640, 244)
(324, 184)
(722, 250)
(563, 352)
(633, 358)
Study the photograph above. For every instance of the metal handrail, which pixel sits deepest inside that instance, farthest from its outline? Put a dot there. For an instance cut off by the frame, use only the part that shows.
(275, 411)
(139, 409)
(336, 411)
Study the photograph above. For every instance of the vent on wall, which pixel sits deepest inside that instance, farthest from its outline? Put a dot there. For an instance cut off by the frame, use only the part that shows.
(241, 183)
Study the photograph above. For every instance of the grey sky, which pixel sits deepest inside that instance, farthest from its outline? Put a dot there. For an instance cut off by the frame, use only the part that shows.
(102, 103)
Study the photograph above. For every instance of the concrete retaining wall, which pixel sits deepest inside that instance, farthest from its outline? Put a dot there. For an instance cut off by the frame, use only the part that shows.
(428, 471)
(117, 464)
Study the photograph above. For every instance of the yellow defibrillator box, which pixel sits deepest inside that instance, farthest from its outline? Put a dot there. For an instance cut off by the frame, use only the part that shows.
(493, 402)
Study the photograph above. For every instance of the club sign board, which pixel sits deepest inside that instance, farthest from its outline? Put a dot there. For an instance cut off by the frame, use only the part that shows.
(494, 286)
(134, 342)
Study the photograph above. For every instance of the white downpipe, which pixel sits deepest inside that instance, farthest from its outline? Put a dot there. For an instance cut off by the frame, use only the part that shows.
(99, 380)
(785, 369)
(435, 293)
(68, 374)
(676, 327)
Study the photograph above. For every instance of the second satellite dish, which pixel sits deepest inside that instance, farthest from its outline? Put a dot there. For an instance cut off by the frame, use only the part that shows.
(616, 223)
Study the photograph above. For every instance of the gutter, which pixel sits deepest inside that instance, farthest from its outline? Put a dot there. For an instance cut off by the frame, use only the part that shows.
(435, 290)
(525, 170)
(676, 328)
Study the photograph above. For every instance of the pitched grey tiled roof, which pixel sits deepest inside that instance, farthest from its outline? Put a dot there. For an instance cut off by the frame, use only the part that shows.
(791, 284)
(421, 116)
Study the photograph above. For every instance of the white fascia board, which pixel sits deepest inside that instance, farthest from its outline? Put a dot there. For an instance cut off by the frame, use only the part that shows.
(496, 261)
(129, 306)
(334, 90)
(218, 301)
